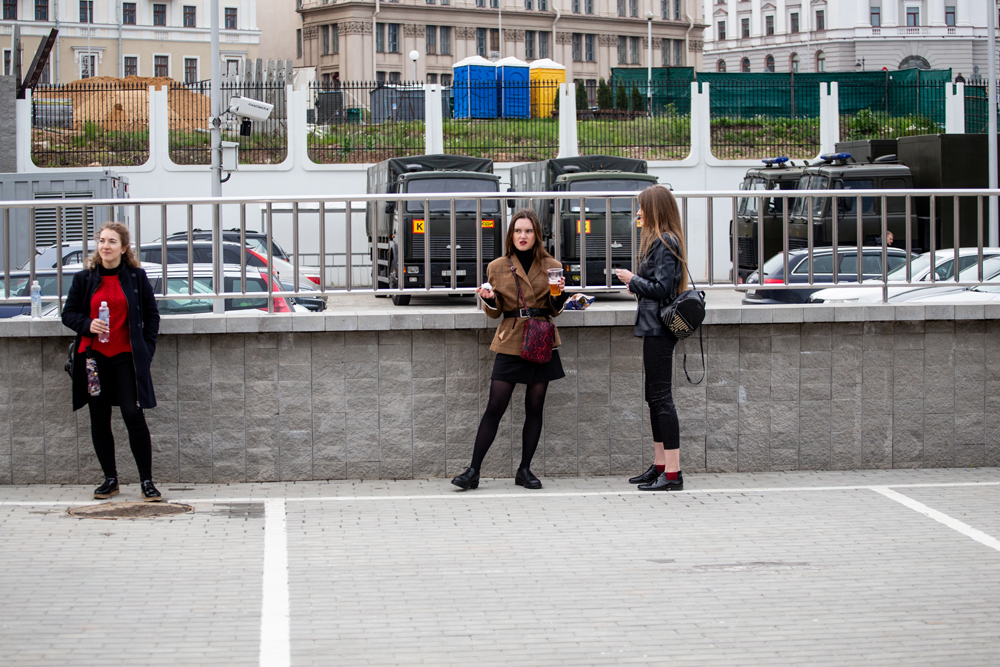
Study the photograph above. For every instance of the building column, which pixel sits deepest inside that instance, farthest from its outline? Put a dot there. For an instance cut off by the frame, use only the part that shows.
(890, 13)
(864, 18)
(756, 22)
(780, 16)
(936, 13)
(963, 17)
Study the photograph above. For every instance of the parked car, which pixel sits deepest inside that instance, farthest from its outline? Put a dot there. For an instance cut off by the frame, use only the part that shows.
(991, 272)
(798, 269)
(72, 253)
(986, 293)
(257, 241)
(177, 283)
(920, 271)
(20, 286)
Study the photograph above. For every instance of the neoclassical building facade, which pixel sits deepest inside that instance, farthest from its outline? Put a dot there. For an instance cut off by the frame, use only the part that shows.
(845, 35)
(361, 40)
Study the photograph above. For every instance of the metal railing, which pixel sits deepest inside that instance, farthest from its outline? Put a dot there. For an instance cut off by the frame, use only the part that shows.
(706, 218)
(633, 119)
(761, 118)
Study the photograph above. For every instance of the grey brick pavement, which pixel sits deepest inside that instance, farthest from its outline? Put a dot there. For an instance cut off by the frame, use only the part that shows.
(798, 568)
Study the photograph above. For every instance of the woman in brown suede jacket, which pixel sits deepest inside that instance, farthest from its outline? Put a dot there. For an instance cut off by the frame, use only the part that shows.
(530, 261)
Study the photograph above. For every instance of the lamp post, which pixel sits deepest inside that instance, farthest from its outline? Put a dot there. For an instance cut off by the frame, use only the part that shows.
(414, 54)
(649, 63)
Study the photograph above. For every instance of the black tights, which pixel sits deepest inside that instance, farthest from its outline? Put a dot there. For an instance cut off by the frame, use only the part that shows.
(117, 375)
(500, 393)
(658, 362)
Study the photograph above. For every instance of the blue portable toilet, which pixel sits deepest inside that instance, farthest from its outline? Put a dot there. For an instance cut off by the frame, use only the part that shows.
(474, 83)
(513, 92)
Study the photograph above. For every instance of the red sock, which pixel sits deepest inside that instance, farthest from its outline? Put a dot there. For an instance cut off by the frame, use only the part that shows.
(671, 475)
(660, 468)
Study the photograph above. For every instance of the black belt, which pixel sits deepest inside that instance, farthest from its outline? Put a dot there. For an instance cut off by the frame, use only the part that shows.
(528, 312)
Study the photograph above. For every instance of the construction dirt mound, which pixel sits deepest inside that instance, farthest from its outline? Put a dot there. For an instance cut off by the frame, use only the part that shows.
(122, 105)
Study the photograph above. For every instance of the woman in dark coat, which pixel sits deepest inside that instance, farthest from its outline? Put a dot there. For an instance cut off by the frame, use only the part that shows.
(662, 275)
(113, 276)
(524, 265)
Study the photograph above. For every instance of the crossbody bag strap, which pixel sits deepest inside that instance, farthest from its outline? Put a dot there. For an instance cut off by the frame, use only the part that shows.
(517, 284)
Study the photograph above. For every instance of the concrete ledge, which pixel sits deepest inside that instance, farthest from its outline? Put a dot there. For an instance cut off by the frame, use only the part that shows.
(602, 315)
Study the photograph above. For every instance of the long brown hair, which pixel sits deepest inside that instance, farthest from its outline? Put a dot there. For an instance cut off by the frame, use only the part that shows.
(540, 251)
(128, 257)
(661, 217)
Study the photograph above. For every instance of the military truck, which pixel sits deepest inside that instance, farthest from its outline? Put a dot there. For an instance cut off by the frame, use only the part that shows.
(777, 174)
(401, 233)
(586, 173)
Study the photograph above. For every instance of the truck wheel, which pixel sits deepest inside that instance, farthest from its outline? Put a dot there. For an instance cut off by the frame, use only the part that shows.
(401, 299)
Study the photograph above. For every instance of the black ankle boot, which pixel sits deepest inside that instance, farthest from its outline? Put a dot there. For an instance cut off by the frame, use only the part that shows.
(527, 479)
(664, 484)
(468, 479)
(108, 489)
(149, 492)
(646, 477)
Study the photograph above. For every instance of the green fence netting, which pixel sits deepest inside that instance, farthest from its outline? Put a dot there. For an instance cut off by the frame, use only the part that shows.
(671, 86)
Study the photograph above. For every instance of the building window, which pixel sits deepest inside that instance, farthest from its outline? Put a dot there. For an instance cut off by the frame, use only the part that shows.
(494, 4)
(621, 7)
(633, 50)
(622, 50)
(432, 78)
(128, 13)
(578, 47)
(393, 76)
(392, 38)
(325, 39)
(912, 17)
(528, 4)
(430, 39)
(529, 44)
(745, 66)
(794, 23)
(6, 62)
(769, 64)
(131, 66)
(588, 48)
(820, 19)
(161, 66)
(445, 43)
(379, 77)
(543, 44)
(190, 16)
(230, 22)
(721, 30)
(159, 14)
(543, 5)
(380, 38)
(949, 15)
(494, 41)
(793, 63)
(190, 70)
(480, 3)
(820, 62)
(720, 66)
(88, 65)
(298, 43)
(666, 53)
(10, 9)
(334, 38)
(678, 53)
(769, 25)
(481, 42)
(588, 6)
(633, 8)
(41, 10)
(876, 17)
(575, 6)
(86, 11)
(445, 78)
(677, 10)
(445, 2)
(745, 28)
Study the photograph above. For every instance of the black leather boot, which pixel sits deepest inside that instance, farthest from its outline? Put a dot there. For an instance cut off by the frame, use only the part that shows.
(468, 479)
(664, 484)
(108, 489)
(646, 477)
(149, 492)
(527, 479)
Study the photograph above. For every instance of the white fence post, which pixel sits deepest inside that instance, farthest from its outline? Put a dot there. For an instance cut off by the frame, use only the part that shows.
(701, 121)
(829, 117)
(954, 108)
(433, 120)
(568, 144)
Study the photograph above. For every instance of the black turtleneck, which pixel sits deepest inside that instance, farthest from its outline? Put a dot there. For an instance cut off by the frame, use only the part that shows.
(108, 272)
(526, 257)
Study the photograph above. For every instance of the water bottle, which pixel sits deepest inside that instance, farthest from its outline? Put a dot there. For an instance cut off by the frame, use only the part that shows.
(36, 300)
(105, 315)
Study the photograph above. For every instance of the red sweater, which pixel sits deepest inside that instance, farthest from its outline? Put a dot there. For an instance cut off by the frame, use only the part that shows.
(110, 290)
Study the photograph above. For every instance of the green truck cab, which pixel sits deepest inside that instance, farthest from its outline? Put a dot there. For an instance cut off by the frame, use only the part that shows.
(778, 174)
(402, 231)
(561, 223)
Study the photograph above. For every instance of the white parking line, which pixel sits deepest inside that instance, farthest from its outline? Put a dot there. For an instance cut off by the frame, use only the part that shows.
(940, 517)
(275, 645)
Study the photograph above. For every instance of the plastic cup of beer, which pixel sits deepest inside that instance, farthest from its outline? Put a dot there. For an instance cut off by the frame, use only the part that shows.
(555, 275)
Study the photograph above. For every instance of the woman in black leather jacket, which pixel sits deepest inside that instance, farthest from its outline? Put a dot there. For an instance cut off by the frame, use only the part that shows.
(662, 275)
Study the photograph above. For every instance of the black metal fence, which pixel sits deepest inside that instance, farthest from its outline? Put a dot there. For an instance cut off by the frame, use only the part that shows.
(760, 118)
(189, 108)
(976, 107)
(890, 109)
(92, 122)
(632, 119)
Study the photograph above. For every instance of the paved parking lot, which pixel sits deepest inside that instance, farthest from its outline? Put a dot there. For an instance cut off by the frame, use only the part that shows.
(875, 567)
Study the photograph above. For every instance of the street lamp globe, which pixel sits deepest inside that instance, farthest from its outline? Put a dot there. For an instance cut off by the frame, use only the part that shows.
(414, 54)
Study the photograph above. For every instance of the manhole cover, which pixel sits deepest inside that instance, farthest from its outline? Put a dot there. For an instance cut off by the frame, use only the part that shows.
(130, 510)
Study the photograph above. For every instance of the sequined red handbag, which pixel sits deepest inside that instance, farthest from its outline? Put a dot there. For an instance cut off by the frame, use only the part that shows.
(539, 335)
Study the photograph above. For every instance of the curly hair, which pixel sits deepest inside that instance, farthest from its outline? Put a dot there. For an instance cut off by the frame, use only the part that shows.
(128, 257)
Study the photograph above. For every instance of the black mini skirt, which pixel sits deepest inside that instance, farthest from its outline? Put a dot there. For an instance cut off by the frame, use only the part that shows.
(511, 368)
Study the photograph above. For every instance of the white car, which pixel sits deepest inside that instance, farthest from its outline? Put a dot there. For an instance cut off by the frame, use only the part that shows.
(987, 293)
(920, 271)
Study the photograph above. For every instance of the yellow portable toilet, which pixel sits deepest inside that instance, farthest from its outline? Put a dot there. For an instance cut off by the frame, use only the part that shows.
(545, 76)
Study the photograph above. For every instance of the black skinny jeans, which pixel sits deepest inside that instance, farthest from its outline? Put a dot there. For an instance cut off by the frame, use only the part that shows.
(117, 375)
(658, 362)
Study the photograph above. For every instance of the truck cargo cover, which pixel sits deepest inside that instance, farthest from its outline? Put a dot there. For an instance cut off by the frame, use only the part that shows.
(398, 165)
(589, 163)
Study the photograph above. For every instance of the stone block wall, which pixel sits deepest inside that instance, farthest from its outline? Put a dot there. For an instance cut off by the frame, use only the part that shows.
(237, 407)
